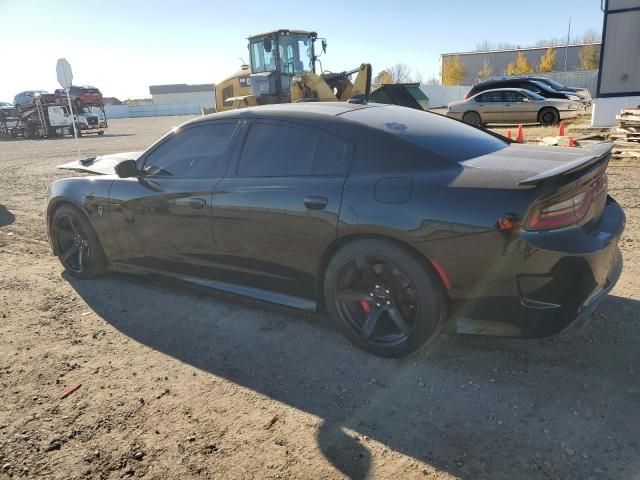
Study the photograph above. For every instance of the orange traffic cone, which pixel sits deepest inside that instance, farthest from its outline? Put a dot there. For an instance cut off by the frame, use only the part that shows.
(561, 130)
(509, 135)
(571, 142)
(520, 137)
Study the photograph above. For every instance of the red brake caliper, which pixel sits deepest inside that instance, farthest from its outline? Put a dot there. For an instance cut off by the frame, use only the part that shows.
(364, 304)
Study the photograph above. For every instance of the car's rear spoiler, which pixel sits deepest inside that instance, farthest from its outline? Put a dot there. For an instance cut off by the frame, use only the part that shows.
(594, 154)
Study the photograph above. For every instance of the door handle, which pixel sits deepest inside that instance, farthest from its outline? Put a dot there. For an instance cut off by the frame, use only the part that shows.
(197, 203)
(315, 203)
(507, 105)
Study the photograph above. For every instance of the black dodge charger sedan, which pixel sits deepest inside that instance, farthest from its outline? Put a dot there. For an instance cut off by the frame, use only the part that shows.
(394, 221)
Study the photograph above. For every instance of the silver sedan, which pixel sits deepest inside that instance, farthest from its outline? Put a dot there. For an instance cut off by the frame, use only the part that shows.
(513, 105)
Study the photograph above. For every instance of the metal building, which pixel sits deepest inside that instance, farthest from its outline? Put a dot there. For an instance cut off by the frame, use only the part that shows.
(203, 94)
(619, 78)
(497, 60)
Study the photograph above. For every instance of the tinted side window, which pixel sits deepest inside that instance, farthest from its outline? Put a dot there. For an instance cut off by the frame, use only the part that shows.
(282, 151)
(332, 156)
(492, 97)
(195, 152)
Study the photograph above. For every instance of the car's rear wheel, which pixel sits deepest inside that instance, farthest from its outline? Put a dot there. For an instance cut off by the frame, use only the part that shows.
(382, 298)
(548, 116)
(76, 244)
(472, 118)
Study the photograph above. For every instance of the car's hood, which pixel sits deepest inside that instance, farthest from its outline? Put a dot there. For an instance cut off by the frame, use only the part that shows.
(102, 165)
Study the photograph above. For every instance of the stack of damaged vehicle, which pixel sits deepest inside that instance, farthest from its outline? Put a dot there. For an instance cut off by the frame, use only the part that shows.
(397, 223)
(39, 114)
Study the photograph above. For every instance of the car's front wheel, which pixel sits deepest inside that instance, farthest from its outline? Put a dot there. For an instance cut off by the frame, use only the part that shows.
(76, 244)
(383, 298)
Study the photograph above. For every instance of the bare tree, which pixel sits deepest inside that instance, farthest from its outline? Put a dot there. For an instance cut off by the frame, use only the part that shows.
(400, 73)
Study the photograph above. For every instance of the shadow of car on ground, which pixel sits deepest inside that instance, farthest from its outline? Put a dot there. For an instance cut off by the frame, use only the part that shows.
(476, 407)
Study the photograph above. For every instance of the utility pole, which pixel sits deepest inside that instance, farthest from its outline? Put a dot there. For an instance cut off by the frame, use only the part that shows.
(566, 48)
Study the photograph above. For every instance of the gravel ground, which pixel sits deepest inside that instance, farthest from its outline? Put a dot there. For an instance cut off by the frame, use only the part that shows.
(179, 384)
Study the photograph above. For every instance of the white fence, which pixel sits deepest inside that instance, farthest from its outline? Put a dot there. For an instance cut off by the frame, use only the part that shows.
(442, 95)
(154, 110)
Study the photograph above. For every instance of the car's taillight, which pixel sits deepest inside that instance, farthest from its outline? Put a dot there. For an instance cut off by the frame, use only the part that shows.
(568, 209)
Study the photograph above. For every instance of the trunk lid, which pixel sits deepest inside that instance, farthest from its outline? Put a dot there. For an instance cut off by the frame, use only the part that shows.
(101, 165)
(531, 165)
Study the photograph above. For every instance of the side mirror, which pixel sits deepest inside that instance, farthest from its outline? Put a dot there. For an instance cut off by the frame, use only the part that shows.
(526, 99)
(127, 169)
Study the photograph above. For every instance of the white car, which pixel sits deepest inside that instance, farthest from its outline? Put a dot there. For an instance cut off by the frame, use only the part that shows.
(512, 106)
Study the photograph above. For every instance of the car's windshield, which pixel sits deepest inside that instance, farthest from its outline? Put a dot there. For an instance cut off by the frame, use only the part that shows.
(447, 138)
(534, 95)
(553, 83)
(542, 86)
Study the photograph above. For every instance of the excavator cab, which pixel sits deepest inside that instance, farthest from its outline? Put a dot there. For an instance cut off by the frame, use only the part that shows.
(276, 58)
(283, 70)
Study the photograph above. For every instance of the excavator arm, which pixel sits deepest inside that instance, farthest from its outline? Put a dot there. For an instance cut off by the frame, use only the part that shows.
(330, 87)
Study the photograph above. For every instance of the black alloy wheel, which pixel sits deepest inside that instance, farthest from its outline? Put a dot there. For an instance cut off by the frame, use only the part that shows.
(382, 298)
(76, 244)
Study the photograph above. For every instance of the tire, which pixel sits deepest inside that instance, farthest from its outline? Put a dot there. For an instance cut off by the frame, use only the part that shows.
(100, 132)
(368, 283)
(76, 244)
(27, 132)
(548, 116)
(472, 118)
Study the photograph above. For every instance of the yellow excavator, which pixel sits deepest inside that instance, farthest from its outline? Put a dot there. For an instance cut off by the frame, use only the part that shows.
(283, 70)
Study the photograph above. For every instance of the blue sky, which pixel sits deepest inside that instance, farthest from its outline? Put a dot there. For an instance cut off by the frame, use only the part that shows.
(122, 47)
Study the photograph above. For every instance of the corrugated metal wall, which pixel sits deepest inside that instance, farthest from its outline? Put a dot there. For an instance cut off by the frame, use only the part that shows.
(498, 60)
(621, 57)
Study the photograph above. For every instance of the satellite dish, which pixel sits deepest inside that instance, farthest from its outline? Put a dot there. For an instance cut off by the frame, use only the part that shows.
(65, 75)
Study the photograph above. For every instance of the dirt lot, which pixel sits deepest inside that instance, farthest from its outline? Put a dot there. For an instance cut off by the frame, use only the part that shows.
(177, 384)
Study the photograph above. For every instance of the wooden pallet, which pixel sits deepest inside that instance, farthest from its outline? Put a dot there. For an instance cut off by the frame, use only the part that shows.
(626, 135)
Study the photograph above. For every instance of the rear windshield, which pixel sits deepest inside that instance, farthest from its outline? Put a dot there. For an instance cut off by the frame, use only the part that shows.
(92, 90)
(447, 138)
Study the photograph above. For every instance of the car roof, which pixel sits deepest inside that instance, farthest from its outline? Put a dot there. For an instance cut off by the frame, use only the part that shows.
(427, 130)
(510, 79)
(298, 111)
(506, 89)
